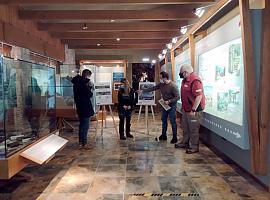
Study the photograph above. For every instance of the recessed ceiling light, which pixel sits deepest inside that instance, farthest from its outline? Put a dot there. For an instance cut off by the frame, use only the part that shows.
(101, 66)
(98, 44)
(183, 30)
(117, 66)
(84, 26)
(199, 11)
(112, 20)
(145, 59)
(160, 56)
(118, 39)
(154, 61)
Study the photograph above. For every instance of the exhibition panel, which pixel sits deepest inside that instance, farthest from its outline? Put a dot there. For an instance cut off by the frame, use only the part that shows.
(27, 95)
(220, 65)
(181, 59)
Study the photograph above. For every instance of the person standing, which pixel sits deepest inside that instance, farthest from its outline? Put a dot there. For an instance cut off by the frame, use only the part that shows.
(170, 95)
(193, 103)
(125, 106)
(82, 95)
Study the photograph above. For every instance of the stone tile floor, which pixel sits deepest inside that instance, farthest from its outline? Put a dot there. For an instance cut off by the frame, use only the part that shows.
(115, 170)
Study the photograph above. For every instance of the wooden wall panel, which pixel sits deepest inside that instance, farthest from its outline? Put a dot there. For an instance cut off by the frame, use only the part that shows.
(250, 85)
(265, 90)
(25, 34)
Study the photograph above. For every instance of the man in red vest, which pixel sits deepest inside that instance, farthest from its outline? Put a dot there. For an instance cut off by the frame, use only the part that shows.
(193, 103)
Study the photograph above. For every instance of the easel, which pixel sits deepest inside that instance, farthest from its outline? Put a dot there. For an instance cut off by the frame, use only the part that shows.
(103, 110)
(146, 119)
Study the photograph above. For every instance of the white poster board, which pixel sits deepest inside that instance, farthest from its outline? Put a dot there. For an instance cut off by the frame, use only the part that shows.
(103, 93)
(146, 98)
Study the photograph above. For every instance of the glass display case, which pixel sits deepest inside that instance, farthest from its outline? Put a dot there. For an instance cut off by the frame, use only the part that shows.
(27, 104)
(219, 59)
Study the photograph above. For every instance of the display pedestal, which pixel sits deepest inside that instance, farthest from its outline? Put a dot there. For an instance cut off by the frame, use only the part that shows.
(104, 121)
(146, 120)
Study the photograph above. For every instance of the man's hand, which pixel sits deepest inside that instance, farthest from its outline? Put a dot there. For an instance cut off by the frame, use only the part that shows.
(129, 107)
(192, 114)
(125, 107)
(167, 102)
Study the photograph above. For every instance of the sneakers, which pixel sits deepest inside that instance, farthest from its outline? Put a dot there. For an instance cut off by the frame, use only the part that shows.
(162, 137)
(129, 135)
(122, 137)
(191, 151)
(181, 146)
(174, 140)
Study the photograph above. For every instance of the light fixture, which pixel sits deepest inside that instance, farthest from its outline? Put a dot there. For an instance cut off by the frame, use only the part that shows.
(160, 56)
(183, 30)
(118, 39)
(174, 40)
(101, 66)
(199, 11)
(112, 20)
(72, 71)
(117, 66)
(98, 44)
(154, 61)
(169, 46)
(84, 26)
(164, 51)
(145, 59)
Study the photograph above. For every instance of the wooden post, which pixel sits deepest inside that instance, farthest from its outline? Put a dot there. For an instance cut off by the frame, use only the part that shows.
(250, 87)
(192, 50)
(173, 66)
(265, 90)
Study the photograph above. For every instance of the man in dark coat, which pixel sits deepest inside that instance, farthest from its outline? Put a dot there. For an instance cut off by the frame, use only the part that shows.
(82, 90)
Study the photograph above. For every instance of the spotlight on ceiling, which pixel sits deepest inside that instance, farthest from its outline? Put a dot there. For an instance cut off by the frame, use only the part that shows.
(164, 51)
(199, 11)
(98, 44)
(169, 46)
(84, 26)
(112, 20)
(183, 30)
(118, 39)
(154, 61)
(174, 40)
(160, 56)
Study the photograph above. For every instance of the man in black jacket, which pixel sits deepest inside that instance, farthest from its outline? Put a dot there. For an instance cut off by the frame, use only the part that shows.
(82, 90)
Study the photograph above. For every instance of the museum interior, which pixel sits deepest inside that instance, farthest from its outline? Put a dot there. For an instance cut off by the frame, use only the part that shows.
(44, 44)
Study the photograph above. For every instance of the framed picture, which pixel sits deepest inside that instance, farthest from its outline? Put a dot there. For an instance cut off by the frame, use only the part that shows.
(146, 98)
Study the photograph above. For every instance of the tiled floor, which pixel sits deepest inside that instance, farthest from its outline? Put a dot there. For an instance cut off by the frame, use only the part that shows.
(116, 170)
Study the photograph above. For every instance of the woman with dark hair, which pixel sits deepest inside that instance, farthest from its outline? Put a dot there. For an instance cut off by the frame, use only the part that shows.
(125, 107)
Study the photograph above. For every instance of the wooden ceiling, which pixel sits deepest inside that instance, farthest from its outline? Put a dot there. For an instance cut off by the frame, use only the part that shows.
(140, 24)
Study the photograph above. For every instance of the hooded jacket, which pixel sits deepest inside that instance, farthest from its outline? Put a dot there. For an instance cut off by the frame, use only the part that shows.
(82, 94)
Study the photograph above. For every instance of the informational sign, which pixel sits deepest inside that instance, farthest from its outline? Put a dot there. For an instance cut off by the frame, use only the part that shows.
(118, 76)
(146, 98)
(103, 93)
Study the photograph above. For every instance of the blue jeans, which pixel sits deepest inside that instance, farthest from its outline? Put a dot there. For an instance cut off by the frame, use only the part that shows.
(83, 130)
(164, 118)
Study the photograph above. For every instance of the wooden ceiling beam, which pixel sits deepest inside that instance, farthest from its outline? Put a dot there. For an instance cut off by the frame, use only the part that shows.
(136, 26)
(156, 14)
(133, 46)
(33, 2)
(115, 42)
(114, 35)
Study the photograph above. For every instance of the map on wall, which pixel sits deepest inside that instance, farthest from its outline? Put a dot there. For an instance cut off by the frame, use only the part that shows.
(221, 70)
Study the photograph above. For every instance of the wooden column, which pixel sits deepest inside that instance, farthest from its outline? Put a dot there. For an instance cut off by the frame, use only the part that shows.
(173, 66)
(192, 50)
(250, 86)
(265, 90)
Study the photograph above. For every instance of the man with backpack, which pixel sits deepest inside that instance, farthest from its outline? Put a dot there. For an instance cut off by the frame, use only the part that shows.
(193, 103)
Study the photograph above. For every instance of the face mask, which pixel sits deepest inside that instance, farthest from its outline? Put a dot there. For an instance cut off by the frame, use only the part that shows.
(181, 75)
(162, 81)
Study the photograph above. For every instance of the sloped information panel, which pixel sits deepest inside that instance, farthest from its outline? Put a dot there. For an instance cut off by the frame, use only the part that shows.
(45, 149)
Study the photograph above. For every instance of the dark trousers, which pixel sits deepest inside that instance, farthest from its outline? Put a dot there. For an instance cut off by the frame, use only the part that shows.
(191, 126)
(124, 115)
(83, 130)
(164, 118)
